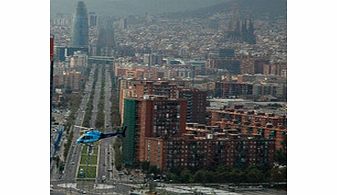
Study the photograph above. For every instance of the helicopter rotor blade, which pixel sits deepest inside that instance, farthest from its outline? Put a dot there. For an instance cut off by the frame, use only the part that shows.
(82, 127)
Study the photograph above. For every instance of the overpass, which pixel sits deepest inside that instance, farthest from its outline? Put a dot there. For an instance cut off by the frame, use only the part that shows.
(100, 60)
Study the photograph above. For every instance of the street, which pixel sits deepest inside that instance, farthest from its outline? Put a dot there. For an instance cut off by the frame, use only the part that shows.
(75, 150)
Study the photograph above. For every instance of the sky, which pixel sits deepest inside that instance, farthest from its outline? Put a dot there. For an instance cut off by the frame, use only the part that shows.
(130, 7)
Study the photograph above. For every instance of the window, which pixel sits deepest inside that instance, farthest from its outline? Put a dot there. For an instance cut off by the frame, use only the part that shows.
(87, 137)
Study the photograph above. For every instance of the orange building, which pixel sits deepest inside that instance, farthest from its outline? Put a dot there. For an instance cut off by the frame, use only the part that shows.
(252, 123)
(151, 116)
(189, 151)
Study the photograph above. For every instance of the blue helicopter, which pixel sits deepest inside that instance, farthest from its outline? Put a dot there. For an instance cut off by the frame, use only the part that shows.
(93, 135)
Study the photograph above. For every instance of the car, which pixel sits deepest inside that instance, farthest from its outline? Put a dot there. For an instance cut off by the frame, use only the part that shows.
(73, 163)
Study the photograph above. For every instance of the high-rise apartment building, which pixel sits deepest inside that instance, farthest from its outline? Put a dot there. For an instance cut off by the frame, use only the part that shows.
(233, 89)
(259, 65)
(267, 125)
(162, 88)
(196, 104)
(72, 80)
(79, 59)
(224, 59)
(152, 116)
(200, 152)
(153, 59)
(105, 41)
(92, 19)
(139, 88)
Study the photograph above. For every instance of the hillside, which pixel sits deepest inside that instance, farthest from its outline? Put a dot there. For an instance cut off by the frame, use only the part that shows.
(255, 8)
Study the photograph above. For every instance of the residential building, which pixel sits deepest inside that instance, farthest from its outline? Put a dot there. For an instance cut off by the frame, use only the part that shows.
(151, 116)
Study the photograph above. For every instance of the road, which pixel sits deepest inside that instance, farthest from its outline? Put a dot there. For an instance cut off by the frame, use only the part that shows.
(105, 158)
(201, 189)
(106, 153)
(96, 98)
(95, 101)
(75, 149)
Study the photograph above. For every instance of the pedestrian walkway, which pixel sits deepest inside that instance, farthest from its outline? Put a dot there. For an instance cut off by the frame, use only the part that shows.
(103, 186)
(67, 185)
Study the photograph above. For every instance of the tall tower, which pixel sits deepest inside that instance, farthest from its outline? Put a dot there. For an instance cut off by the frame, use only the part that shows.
(105, 41)
(92, 19)
(80, 26)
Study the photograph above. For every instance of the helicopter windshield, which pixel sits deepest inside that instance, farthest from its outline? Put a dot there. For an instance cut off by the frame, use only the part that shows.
(86, 137)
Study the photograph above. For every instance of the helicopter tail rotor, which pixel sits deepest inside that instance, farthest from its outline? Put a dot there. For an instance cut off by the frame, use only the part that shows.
(123, 131)
(122, 134)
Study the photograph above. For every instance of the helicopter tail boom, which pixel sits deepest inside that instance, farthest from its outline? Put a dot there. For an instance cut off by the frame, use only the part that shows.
(106, 135)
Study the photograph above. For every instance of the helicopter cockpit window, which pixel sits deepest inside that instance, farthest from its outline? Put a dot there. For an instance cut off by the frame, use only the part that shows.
(87, 137)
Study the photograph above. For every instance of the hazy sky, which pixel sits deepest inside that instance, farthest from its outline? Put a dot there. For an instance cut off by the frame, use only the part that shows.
(130, 7)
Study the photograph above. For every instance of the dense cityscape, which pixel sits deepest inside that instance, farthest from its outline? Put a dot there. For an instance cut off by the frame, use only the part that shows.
(202, 94)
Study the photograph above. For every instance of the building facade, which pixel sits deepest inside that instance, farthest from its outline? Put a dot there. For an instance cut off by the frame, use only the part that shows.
(201, 152)
(80, 34)
(266, 125)
(151, 116)
(196, 104)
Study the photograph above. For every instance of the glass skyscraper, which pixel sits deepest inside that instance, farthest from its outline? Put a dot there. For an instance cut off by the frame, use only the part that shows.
(80, 33)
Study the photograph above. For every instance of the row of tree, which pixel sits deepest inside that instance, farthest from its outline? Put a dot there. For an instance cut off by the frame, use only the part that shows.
(118, 154)
(74, 103)
(114, 102)
(100, 119)
(223, 174)
(219, 174)
(115, 120)
(88, 110)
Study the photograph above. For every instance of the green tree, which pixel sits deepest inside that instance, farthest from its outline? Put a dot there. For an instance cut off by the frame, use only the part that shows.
(186, 176)
(209, 177)
(236, 175)
(200, 176)
(281, 157)
(254, 175)
(173, 176)
(118, 154)
(278, 174)
(153, 169)
(145, 165)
